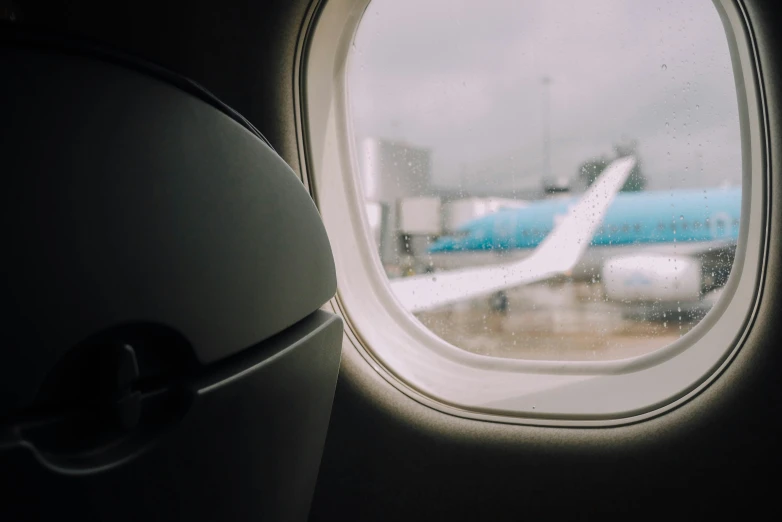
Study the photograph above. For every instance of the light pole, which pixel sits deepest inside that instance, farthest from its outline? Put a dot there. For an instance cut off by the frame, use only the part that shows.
(546, 131)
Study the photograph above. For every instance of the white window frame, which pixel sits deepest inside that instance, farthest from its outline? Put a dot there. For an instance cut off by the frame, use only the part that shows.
(452, 380)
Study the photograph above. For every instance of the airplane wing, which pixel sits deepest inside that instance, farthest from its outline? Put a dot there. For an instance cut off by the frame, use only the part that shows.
(557, 254)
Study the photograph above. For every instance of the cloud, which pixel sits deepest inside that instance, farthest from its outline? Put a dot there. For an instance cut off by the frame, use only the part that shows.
(464, 79)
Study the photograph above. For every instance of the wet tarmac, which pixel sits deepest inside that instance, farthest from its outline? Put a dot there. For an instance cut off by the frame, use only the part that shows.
(559, 321)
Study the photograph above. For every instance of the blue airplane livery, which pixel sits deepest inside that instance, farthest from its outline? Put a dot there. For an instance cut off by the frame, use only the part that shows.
(667, 246)
(634, 218)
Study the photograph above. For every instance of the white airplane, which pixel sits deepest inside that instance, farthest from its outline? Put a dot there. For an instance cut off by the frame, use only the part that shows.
(557, 254)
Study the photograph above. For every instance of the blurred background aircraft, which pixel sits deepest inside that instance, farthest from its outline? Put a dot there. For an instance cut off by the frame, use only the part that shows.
(673, 247)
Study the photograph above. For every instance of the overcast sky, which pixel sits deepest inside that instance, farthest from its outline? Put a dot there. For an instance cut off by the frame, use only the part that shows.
(463, 78)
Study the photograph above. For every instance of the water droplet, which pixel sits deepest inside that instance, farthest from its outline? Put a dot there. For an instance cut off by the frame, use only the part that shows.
(664, 67)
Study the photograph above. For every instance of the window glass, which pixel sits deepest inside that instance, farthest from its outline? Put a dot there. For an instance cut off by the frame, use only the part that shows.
(480, 126)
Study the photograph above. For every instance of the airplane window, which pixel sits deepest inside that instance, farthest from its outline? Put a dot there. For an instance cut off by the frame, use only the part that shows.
(600, 142)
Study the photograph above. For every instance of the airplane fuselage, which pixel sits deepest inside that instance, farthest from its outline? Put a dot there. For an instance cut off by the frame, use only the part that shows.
(637, 218)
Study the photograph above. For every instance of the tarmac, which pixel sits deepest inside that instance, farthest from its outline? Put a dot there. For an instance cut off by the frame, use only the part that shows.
(559, 321)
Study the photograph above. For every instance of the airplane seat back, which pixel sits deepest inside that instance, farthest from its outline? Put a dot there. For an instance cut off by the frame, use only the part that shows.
(164, 354)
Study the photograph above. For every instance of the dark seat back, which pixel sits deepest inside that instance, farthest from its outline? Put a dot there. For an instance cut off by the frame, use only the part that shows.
(162, 351)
